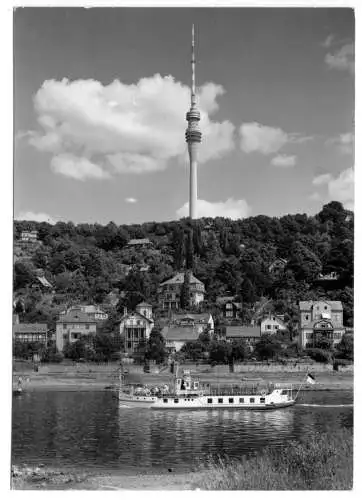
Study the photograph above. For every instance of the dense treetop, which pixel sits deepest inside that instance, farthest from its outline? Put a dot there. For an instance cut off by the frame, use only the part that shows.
(85, 262)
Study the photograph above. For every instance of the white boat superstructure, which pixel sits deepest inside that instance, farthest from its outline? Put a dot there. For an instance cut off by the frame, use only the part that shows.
(189, 394)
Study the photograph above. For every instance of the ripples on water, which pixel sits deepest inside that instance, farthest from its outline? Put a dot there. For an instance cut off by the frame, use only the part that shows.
(89, 430)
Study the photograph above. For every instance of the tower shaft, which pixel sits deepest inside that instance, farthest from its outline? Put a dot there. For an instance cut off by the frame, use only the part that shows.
(193, 135)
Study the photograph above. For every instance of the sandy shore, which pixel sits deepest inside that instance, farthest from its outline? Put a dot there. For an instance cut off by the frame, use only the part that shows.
(49, 479)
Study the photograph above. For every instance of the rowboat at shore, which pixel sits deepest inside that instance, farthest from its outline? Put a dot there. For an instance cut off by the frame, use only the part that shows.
(189, 394)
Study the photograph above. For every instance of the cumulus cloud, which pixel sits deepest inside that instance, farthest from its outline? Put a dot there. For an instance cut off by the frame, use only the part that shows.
(232, 209)
(340, 188)
(131, 200)
(342, 59)
(256, 137)
(321, 179)
(344, 142)
(96, 131)
(284, 161)
(35, 216)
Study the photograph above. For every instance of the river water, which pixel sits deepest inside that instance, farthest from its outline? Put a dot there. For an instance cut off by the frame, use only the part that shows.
(86, 430)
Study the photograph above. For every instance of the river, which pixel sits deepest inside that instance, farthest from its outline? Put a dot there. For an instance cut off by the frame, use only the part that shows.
(86, 430)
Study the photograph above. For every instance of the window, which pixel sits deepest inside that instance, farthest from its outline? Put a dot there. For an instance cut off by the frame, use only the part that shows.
(229, 306)
(64, 326)
(65, 336)
(241, 400)
(307, 316)
(175, 400)
(262, 400)
(220, 400)
(252, 400)
(129, 345)
(87, 327)
(209, 400)
(325, 308)
(165, 400)
(231, 400)
(268, 327)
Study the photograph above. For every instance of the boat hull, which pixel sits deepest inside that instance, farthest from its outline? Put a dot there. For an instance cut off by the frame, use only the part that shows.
(256, 407)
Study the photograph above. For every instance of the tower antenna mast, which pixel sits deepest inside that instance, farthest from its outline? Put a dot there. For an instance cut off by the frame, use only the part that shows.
(193, 134)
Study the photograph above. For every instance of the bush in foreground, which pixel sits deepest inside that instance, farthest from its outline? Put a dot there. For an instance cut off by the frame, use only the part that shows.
(323, 462)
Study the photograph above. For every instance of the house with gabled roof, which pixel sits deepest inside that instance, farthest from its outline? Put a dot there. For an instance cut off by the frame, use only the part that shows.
(135, 327)
(176, 336)
(72, 326)
(170, 291)
(30, 333)
(320, 319)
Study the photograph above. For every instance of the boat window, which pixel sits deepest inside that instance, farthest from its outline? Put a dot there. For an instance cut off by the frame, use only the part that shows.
(241, 400)
(175, 400)
(262, 400)
(231, 400)
(252, 400)
(165, 400)
(220, 400)
(284, 392)
(209, 400)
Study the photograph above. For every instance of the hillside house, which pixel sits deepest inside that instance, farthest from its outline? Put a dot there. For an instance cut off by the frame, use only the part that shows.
(229, 307)
(140, 243)
(200, 322)
(136, 327)
(30, 333)
(73, 325)
(272, 324)
(277, 266)
(249, 334)
(176, 336)
(170, 291)
(29, 236)
(321, 319)
(92, 311)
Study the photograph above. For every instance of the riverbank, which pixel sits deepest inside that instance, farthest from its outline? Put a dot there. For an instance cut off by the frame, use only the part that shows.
(40, 478)
(102, 381)
(321, 462)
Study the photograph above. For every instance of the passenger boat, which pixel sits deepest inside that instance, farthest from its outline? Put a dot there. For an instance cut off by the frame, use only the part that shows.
(189, 394)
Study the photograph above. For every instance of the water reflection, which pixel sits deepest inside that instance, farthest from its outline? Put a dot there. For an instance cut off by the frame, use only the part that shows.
(91, 430)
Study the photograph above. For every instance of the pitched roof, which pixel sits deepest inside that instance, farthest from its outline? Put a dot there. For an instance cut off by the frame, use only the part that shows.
(90, 309)
(242, 331)
(305, 305)
(30, 328)
(75, 317)
(179, 278)
(135, 313)
(200, 318)
(224, 299)
(312, 324)
(171, 333)
(144, 304)
(139, 241)
(44, 281)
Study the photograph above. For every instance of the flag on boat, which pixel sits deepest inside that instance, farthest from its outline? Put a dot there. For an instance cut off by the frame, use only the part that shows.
(310, 379)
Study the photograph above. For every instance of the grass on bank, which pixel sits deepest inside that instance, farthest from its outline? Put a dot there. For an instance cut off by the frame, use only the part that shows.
(321, 462)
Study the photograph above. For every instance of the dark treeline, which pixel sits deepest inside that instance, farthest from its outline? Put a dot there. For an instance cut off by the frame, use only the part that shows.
(86, 262)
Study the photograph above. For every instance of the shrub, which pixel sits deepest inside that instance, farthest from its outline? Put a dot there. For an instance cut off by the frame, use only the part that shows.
(321, 462)
(319, 355)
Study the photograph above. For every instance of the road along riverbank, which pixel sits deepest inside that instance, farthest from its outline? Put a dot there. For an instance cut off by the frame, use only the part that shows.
(100, 382)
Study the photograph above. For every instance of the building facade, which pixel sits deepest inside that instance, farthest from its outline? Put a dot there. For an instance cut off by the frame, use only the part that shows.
(170, 291)
(72, 326)
(320, 320)
(93, 312)
(30, 333)
(249, 334)
(136, 327)
(272, 324)
(29, 236)
(176, 336)
(230, 309)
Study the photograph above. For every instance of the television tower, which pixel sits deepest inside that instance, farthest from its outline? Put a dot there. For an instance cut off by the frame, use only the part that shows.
(193, 135)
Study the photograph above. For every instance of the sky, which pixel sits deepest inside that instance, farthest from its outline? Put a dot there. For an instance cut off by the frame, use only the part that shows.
(100, 98)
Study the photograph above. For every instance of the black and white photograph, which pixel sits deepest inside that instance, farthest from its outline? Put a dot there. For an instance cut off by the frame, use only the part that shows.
(182, 248)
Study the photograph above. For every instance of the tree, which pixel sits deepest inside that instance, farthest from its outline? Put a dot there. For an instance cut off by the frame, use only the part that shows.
(267, 347)
(345, 348)
(156, 347)
(185, 291)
